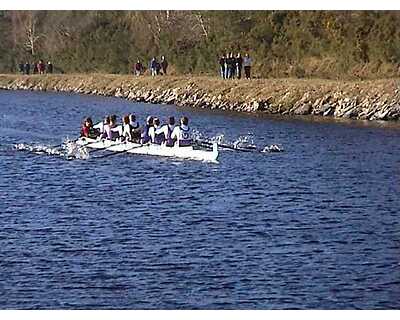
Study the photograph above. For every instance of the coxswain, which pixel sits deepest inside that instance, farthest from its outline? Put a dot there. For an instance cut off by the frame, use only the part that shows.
(145, 137)
(181, 133)
(88, 130)
(156, 132)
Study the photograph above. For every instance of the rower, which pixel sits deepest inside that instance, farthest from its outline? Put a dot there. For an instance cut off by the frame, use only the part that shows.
(100, 126)
(126, 129)
(106, 133)
(88, 130)
(181, 133)
(135, 128)
(167, 130)
(109, 129)
(156, 132)
(145, 137)
(116, 130)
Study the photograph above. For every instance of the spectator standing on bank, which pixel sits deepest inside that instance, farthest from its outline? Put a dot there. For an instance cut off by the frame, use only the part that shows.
(21, 67)
(231, 66)
(239, 63)
(153, 66)
(158, 68)
(226, 66)
(49, 68)
(27, 68)
(138, 68)
(247, 66)
(35, 67)
(41, 67)
(222, 66)
(164, 65)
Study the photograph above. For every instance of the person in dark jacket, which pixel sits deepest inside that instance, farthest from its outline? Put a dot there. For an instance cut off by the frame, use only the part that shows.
(158, 68)
(226, 66)
(21, 67)
(138, 68)
(35, 67)
(239, 64)
(222, 66)
(232, 66)
(164, 65)
(41, 67)
(153, 66)
(49, 68)
(27, 68)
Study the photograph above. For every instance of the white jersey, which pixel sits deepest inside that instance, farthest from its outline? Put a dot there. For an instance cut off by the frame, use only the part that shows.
(118, 129)
(99, 126)
(126, 131)
(167, 130)
(152, 133)
(182, 135)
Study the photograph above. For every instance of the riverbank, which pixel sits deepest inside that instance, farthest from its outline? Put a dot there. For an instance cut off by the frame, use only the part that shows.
(365, 100)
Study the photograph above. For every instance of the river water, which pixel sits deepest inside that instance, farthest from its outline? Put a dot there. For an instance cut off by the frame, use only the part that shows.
(314, 227)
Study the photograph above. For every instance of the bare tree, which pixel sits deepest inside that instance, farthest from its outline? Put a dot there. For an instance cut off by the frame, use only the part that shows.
(32, 35)
(200, 20)
(24, 26)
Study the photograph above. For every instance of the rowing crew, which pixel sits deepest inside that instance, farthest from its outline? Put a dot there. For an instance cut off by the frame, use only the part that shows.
(153, 131)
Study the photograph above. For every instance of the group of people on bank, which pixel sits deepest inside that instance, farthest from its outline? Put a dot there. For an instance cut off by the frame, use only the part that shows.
(168, 133)
(35, 67)
(231, 67)
(155, 67)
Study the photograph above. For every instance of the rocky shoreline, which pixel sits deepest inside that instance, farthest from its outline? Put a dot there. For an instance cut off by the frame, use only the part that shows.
(364, 100)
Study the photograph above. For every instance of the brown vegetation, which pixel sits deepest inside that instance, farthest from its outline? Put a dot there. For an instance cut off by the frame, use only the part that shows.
(300, 44)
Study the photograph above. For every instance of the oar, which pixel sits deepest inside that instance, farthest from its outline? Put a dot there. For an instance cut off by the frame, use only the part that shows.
(226, 146)
(72, 141)
(102, 148)
(119, 152)
(60, 144)
(242, 149)
(202, 145)
(101, 140)
(92, 142)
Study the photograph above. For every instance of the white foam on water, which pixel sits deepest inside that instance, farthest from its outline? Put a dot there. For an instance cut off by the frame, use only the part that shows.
(38, 149)
(245, 141)
(73, 150)
(67, 149)
(241, 142)
(272, 148)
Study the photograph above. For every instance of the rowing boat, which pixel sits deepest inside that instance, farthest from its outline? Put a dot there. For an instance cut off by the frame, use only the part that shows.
(151, 149)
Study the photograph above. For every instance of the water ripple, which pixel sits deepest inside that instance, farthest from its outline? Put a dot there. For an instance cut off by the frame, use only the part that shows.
(316, 227)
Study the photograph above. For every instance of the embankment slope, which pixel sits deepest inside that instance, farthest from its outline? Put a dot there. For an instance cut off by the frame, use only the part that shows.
(366, 100)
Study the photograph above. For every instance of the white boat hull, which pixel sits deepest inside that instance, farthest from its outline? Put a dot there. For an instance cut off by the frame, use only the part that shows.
(151, 149)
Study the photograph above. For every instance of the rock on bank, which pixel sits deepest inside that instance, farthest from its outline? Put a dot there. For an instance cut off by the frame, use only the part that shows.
(366, 100)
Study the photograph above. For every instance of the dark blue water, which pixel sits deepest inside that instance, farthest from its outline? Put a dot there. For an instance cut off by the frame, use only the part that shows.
(315, 227)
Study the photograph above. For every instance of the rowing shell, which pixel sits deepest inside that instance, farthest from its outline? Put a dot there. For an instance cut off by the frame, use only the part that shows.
(151, 149)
